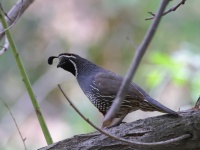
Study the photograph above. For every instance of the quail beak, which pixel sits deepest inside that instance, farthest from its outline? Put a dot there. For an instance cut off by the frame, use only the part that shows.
(61, 62)
(59, 65)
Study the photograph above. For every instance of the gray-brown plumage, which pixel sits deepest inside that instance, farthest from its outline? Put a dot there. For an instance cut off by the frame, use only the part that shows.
(101, 86)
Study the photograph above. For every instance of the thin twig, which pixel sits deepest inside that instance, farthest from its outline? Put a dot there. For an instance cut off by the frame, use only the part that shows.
(168, 11)
(134, 143)
(23, 139)
(5, 46)
(135, 62)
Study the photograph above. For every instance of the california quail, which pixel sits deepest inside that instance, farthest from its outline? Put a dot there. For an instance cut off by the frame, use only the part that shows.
(101, 87)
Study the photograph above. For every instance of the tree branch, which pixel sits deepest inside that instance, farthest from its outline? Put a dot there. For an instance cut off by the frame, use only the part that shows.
(149, 130)
(136, 60)
(168, 11)
(15, 13)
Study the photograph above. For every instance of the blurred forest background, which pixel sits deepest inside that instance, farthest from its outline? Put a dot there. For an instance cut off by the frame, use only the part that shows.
(105, 32)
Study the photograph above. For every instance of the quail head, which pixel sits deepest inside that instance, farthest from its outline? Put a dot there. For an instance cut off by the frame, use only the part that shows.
(101, 87)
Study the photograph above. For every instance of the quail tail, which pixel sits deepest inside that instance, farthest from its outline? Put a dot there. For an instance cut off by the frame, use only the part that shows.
(155, 103)
(159, 106)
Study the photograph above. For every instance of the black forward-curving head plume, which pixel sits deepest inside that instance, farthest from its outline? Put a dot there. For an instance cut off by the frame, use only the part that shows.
(50, 60)
(66, 61)
(67, 55)
(75, 64)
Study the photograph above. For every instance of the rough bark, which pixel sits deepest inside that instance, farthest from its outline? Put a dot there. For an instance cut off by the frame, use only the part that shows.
(148, 130)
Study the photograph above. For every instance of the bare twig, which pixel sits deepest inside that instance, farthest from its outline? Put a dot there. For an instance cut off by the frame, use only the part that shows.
(5, 46)
(15, 13)
(135, 62)
(168, 11)
(134, 143)
(23, 139)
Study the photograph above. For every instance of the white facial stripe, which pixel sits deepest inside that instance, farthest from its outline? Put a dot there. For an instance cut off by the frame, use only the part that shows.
(75, 67)
(67, 56)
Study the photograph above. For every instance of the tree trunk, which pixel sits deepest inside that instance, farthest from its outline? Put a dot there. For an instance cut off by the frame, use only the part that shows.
(150, 130)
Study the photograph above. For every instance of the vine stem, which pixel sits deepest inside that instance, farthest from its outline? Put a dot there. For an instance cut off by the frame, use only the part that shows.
(26, 81)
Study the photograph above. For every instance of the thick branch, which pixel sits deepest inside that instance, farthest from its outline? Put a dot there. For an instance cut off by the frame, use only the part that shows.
(150, 130)
(15, 12)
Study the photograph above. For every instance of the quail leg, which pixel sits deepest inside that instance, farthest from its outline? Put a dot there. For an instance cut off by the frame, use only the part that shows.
(118, 122)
